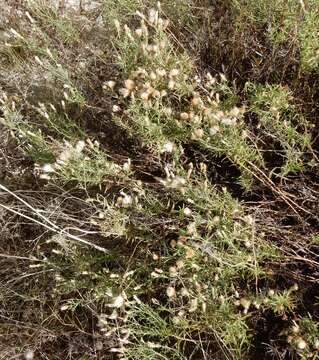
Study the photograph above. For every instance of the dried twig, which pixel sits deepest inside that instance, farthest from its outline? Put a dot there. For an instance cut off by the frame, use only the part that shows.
(48, 224)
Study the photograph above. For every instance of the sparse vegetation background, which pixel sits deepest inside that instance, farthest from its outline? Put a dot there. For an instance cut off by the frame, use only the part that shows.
(159, 183)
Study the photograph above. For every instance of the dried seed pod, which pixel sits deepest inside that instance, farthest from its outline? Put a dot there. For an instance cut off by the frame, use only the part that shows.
(171, 84)
(184, 116)
(170, 292)
(198, 134)
(161, 72)
(196, 101)
(111, 84)
(139, 32)
(173, 73)
(301, 344)
(129, 84)
(124, 92)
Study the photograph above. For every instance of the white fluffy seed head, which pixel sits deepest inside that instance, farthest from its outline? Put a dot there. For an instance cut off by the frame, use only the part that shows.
(196, 101)
(301, 344)
(29, 355)
(153, 75)
(170, 292)
(193, 305)
(187, 211)
(168, 147)
(245, 303)
(184, 116)
(129, 84)
(213, 130)
(116, 108)
(161, 72)
(139, 32)
(110, 84)
(48, 168)
(228, 121)
(173, 73)
(271, 292)
(153, 16)
(198, 134)
(124, 92)
(295, 329)
(171, 84)
(144, 96)
(79, 147)
(117, 25)
(118, 302)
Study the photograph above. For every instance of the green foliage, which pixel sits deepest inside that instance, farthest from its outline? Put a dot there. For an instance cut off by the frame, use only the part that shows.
(278, 16)
(281, 122)
(50, 19)
(190, 269)
(285, 21)
(91, 167)
(167, 105)
(308, 38)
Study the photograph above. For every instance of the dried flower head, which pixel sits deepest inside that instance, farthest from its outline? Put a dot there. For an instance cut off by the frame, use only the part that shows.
(139, 32)
(29, 355)
(197, 134)
(110, 84)
(173, 73)
(245, 303)
(301, 344)
(196, 101)
(116, 108)
(214, 130)
(129, 84)
(168, 147)
(171, 84)
(117, 25)
(161, 72)
(193, 305)
(184, 116)
(118, 302)
(170, 292)
(124, 92)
